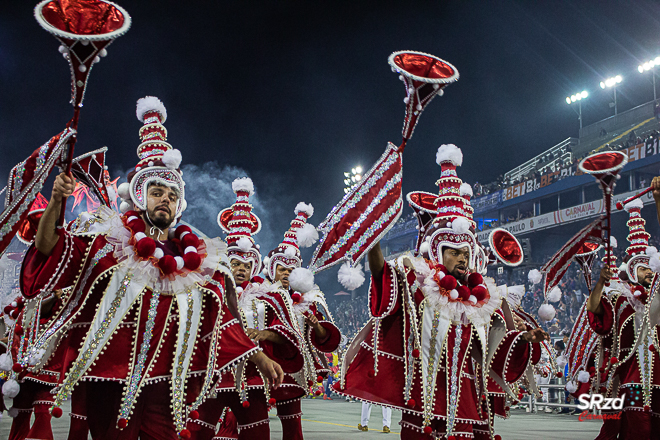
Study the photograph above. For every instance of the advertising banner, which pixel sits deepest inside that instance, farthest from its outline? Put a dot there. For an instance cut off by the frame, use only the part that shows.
(567, 215)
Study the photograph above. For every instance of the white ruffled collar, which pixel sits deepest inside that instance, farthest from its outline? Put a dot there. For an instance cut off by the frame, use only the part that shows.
(308, 299)
(253, 291)
(110, 224)
(455, 310)
(636, 304)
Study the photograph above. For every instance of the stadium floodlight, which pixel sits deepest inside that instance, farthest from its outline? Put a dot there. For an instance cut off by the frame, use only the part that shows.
(352, 178)
(578, 97)
(612, 83)
(650, 65)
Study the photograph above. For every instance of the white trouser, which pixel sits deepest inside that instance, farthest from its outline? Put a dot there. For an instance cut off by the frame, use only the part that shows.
(366, 414)
(540, 380)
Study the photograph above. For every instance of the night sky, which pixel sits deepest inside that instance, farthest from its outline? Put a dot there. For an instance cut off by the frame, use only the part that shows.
(294, 93)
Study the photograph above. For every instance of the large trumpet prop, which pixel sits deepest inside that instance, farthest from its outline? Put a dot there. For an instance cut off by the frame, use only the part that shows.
(371, 207)
(85, 28)
(424, 76)
(605, 168)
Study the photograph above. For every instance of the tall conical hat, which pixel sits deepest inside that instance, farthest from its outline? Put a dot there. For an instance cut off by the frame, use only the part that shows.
(638, 240)
(299, 234)
(158, 161)
(240, 224)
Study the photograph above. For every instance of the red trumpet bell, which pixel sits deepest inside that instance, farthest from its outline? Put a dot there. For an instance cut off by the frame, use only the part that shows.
(424, 76)
(85, 29)
(506, 247)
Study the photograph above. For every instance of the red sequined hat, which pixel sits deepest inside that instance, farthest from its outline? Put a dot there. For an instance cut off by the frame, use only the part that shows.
(445, 220)
(299, 234)
(638, 239)
(158, 161)
(240, 224)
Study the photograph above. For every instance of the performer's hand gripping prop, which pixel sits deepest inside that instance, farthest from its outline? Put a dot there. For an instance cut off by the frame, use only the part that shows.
(371, 207)
(85, 28)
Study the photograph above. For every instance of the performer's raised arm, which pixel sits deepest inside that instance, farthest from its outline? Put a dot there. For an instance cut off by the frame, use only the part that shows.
(47, 236)
(376, 264)
(594, 302)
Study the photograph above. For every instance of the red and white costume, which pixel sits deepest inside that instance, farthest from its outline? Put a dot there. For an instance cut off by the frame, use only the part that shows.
(143, 318)
(307, 299)
(630, 320)
(433, 338)
(259, 305)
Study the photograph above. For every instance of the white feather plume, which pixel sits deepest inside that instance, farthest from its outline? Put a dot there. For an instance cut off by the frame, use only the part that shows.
(243, 184)
(583, 376)
(172, 159)
(654, 263)
(637, 203)
(534, 276)
(561, 362)
(307, 235)
(554, 295)
(307, 208)
(10, 389)
(147, 104)
(301, 280)
(466, 189)
(571, 387)
(290, 251)
(350, 277)
(613, 242)
(546, 312)
(651, 250)
(244, 244)
(449, 153)
(460, 225)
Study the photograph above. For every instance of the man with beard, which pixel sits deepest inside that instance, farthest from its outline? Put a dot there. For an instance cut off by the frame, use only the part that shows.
(431, 333)
(149, 294)
(631, 370)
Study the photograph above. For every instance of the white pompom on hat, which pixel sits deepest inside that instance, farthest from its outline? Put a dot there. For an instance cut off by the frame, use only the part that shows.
(449, 153)
(149, 103)
(301, 280)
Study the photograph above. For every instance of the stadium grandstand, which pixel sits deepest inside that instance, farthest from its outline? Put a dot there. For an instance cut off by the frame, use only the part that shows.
(546, 200)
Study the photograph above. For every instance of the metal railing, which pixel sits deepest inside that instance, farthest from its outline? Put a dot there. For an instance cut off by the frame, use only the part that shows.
(623, 119)
(545, 160)
(533, 402)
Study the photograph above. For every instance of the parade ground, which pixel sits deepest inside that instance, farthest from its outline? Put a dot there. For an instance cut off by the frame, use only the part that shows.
(338, 419)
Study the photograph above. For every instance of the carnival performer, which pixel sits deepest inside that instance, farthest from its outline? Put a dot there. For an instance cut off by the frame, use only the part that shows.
(264, 311)
(629, 318)
(432, 315)
(311, 314)
(500, 401)
(588, 354)
(31, 392)
(150, 294)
